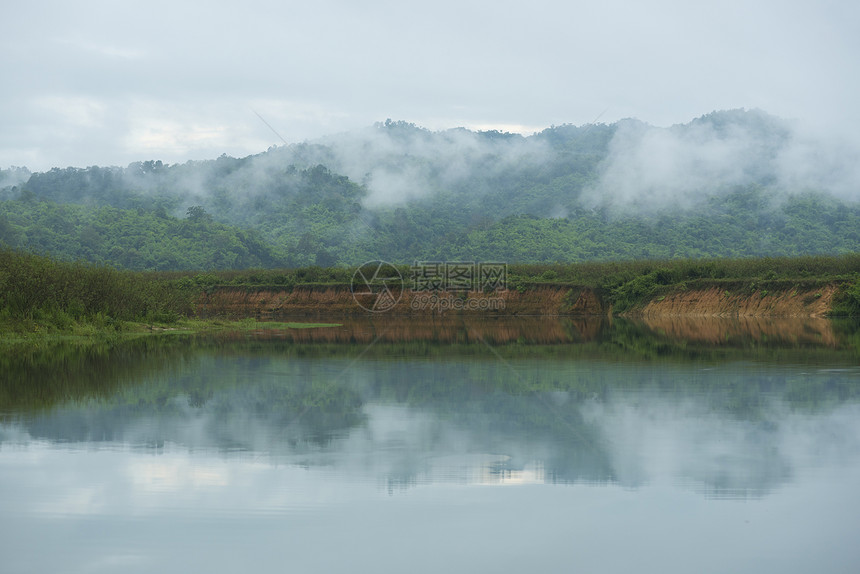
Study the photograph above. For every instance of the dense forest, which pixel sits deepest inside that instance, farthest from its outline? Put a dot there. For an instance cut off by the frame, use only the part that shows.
(729, 184)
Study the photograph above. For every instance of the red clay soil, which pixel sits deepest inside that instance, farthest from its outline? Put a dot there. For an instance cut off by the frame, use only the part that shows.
(717, 302)
(337, 301)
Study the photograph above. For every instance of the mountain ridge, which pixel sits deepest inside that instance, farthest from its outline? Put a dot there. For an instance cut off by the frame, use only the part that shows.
(726, 184)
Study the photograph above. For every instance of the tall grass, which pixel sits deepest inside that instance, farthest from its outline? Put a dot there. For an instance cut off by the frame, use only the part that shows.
(595, 274)
(45, 291)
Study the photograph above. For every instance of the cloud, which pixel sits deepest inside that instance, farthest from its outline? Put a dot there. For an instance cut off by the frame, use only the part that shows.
(103, 50)
(400, 162)
(815, 160)
(448, 64)
(649, 169)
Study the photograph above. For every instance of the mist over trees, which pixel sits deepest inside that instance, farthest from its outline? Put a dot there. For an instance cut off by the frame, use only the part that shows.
(732, 183)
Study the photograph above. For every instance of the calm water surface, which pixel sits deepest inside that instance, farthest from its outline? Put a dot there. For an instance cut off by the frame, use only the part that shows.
(402, 447)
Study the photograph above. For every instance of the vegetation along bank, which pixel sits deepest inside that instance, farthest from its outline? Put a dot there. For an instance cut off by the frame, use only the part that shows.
(44, 295)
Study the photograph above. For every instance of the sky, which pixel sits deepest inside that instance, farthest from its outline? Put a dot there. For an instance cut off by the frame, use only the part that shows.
(108, 83)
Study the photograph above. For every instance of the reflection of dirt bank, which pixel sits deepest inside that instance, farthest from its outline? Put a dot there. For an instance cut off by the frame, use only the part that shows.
(730, 330)
(338, 301)
(676, 331)
(541, 300)
(451, 329)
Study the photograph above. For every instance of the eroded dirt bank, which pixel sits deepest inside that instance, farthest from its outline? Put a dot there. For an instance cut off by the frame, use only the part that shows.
(337, 300)
(719, 302)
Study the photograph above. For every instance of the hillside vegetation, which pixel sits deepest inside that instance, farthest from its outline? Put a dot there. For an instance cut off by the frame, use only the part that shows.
(729, 184)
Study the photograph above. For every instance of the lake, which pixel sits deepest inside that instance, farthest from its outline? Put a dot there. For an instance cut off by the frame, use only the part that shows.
(394, 445)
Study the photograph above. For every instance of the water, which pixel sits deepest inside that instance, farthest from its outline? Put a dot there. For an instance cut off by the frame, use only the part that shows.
(448, 446)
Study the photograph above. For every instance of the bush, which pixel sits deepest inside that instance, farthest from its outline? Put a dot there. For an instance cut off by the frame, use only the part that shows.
(846, 303)
(60, 294)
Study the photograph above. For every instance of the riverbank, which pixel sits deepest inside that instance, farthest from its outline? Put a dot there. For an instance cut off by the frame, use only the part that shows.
(17, 334)
(704, 298)
(41, 297)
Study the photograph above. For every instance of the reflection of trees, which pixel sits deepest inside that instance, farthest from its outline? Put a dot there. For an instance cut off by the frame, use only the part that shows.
(673, 339)
(780, 340)
(297, 409)
(499, 414)
(38, 377)
(155, 370)
(218, 396)
(317, 401)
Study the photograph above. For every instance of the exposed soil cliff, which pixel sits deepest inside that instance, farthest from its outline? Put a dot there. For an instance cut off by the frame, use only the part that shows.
(338, 300)
(719, 302)
(537, 299)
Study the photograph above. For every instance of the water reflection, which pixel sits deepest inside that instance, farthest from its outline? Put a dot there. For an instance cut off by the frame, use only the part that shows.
(719, 331)
(786, 331)
(735, 431)
(38, 377)
(464, 445)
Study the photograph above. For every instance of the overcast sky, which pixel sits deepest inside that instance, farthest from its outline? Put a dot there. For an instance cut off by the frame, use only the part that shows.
(107, 83)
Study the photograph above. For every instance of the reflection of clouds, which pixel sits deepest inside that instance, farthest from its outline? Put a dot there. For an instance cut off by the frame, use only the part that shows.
(160, 474)
(645, 438)
(532, 473)
(449, 427)
(72, 500)
(658, 439)
(129, 482)
(815, 441)
(411, 480)
(132, 482)
(238, 483)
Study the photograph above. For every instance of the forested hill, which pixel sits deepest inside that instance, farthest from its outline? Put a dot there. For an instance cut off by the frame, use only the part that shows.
(733, 183)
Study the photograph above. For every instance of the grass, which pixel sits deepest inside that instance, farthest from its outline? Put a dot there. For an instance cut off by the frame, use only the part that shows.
(42, 297)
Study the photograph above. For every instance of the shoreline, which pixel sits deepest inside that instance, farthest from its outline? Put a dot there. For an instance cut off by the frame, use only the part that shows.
(132, 330)
(44, 298)
(777, 299)
(229, 309)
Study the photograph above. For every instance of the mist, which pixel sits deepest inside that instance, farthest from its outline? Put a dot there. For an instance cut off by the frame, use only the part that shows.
(629, 167)
(400, 162)
(759, 184)
(650, 169)
(643, 169)
(396, 163)
(12, 177)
